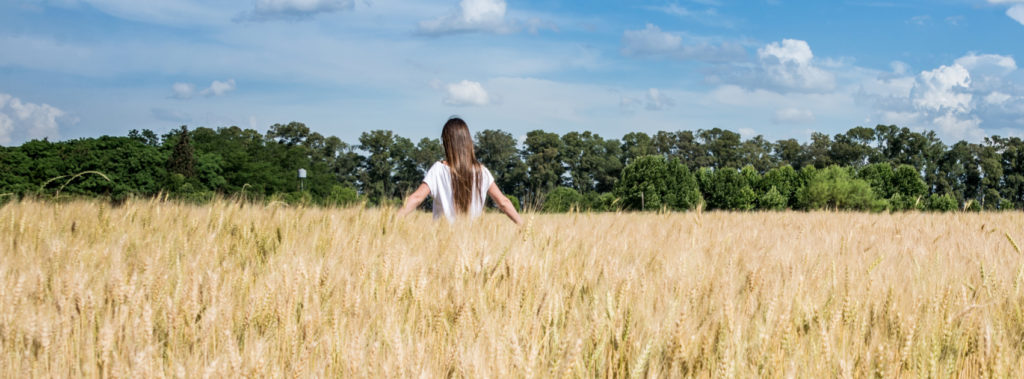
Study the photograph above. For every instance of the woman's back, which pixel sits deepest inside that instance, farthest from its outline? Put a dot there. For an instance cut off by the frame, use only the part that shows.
(439, 179)
(459, 183)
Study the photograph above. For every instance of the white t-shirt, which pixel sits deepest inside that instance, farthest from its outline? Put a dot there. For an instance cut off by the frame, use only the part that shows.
(439, 179)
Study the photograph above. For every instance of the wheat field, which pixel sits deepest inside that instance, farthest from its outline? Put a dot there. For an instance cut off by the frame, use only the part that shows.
(160, 289)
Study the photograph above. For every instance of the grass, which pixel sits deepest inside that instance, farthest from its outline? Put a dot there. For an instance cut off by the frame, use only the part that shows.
(158, 289)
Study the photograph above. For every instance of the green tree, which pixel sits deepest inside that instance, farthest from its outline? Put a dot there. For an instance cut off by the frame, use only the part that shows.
(785, 180)
(497, 150)
(727, 189)
(182, 160)
(834, 187)
(593, 163)
(561, 200)
(541, 153)
(651, 182)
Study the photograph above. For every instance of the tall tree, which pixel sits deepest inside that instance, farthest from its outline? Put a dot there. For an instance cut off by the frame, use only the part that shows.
(541, 153)
(377, 181)
(497, 150)
(182, 160)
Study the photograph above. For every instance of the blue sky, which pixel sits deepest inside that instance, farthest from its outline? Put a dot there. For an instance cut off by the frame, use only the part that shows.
(778, 68)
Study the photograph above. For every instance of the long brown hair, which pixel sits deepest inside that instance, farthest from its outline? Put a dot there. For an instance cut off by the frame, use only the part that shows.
(462, 163)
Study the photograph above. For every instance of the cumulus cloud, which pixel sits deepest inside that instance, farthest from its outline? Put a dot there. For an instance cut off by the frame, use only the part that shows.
(218, 88)
(785, 66)
(657, 100)
(21, 121)
(961, 100)
(293, 10)
(466, 93)
(470, 16)
(183, 90)
(790, 64)
(652, 41)
(943, 89)
(793, 116)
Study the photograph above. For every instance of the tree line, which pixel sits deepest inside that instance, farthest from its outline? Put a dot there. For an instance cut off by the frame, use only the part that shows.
(882, 168)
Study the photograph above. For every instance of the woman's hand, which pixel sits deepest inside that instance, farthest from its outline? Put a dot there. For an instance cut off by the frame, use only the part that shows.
(414, 200)
(504, 204)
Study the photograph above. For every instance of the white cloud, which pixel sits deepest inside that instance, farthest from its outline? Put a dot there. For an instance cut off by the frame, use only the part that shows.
(793, 116)
(470, 16)
(989, 64)
(269, 10)
(964, 100)
(997, 98)
(466, 93)
(790, 65)
(950, 124)
(943, 89)
(652, 41)
(183, 90)
(657, 100)
(21, 121)
(218, 88)
(1016, 12)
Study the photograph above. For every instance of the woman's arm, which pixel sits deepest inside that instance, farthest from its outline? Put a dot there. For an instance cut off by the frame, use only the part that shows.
(504, 203)
(414, 200)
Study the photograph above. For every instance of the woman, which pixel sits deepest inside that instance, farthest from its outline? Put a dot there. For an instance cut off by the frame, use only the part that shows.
(458, 183)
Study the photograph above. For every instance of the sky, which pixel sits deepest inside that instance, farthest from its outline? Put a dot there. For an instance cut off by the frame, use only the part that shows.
(778, 68)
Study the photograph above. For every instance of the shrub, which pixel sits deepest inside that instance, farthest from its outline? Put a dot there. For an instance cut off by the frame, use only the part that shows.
(341, 196)
(772, 200)
(562, 199)
(834, 187)
(942, 203)
(652, 182)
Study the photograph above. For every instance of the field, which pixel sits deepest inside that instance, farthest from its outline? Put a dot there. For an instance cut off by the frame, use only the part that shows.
(155, 289)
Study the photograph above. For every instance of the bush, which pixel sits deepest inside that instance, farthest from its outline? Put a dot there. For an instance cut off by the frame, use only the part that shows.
(784, 179)
(727, 188)
(561, 200)
(834, 187)
(942, 203)
(341, 196)
(652, 182)
(772, 200)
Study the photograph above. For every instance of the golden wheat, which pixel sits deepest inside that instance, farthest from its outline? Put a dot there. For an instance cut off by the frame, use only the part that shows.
(158, 289)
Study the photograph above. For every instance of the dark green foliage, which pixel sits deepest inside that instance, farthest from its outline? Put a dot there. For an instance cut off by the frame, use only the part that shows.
(881, 168)
(342, 196)
(561, 200)
(544, 169)
(784, 179)
(772, 200)
(497, 150)
(942, 203)
(652, 182)
(182, 159)
(728, 188)
(834, 187)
